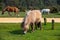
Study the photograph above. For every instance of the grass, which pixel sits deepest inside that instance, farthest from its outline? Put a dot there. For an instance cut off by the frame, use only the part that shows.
(12, 31)
(51, 15)
(22, 14)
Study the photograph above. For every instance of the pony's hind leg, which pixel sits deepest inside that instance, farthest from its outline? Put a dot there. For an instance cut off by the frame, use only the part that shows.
(39, 24)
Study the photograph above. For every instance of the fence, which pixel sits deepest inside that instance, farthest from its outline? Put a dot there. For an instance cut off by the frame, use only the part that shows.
(45, 23)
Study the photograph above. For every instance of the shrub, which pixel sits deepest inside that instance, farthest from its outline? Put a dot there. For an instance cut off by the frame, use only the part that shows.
(0, 8)
(53, 9)
(22, 9)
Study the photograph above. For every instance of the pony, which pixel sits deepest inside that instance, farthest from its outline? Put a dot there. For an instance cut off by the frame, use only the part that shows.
(10, 9)
(32, 17)
(45, 11)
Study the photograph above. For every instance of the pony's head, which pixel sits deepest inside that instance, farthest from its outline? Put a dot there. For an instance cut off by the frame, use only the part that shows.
(25, 25)
(3, 10)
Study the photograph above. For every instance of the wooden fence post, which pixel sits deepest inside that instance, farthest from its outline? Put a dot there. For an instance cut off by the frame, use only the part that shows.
(52, 24)
(45, 21)
(40, 25)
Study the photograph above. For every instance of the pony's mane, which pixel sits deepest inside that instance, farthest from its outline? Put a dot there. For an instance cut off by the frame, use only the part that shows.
(26, 17)
(31, 13)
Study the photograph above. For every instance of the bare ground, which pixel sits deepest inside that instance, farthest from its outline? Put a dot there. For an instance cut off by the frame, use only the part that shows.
(18, 20)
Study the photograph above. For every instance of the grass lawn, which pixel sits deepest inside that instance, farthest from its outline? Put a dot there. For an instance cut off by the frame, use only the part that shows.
(22, 14)
(51, 15)
(12, 31)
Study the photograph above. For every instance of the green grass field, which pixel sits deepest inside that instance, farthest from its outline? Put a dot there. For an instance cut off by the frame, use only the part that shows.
(12, 31)
(22, 14)
(51, 15)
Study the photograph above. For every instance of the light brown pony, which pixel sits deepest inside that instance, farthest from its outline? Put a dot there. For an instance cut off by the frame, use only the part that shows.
(32, 17)
(10, 9)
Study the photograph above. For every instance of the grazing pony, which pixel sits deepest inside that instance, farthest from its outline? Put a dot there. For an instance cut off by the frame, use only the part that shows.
(10, 9)
(32, 17)
(45, 11)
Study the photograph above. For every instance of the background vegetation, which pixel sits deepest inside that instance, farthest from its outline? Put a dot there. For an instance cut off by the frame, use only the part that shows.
(54, 5)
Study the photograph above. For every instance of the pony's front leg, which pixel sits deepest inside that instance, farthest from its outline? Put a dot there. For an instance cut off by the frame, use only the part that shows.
(32, 26)
(39, 24)
(14, 14)
(36, 26)
(17, 14)
(9, 13)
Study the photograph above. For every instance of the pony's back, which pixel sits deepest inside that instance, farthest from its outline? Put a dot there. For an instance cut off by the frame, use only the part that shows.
(33, 16)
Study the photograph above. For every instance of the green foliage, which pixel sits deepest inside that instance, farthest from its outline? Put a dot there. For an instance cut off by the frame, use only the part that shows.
(0, 0)
(22, 9)
(53, 9)
(0, 8)
(37, 4)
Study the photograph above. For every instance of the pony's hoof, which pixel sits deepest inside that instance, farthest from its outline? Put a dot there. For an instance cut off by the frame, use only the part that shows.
(24, 33)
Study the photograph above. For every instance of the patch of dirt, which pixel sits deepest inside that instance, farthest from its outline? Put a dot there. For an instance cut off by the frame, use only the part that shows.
(18, 20)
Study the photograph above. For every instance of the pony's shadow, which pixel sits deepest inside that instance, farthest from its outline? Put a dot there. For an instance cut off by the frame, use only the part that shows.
(17, 32)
